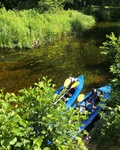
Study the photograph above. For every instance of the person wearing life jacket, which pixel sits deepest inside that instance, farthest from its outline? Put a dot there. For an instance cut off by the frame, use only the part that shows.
(93, 99)
(92, 96)
(67, 84)
(69, 81)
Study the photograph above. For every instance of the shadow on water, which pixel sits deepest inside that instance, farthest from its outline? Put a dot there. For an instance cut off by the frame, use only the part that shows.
(99, 31)
(68, 57)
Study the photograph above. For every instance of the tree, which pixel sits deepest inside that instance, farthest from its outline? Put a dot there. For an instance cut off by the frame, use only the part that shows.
(50, 5)
(101, 9)
(19, 4)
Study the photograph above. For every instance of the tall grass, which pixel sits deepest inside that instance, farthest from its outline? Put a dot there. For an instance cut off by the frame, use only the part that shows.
(28, 28)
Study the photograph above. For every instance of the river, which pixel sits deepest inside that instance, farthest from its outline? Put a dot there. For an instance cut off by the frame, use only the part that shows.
(71, 56)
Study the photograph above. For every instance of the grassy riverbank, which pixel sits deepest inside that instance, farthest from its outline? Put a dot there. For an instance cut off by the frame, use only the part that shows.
(29, 29)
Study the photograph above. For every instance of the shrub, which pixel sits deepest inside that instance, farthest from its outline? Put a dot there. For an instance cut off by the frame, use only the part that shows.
(110, 137)
(31, 121)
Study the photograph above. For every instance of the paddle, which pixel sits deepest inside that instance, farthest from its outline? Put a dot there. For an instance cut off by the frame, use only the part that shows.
(73, 86)
(80, 97)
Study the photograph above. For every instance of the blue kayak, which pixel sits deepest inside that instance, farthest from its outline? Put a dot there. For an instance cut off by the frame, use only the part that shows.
(92, 104)
(72, 93)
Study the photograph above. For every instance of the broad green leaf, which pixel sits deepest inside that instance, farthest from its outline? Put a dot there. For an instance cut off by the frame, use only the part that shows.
(13, 141)
(38, 141)
(17, 131)
(8, 141)
(46, 148)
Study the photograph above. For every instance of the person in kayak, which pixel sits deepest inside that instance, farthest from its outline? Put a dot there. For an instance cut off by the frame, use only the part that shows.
(93, 99)
(90, 102)
(68, 85)
(69, 81)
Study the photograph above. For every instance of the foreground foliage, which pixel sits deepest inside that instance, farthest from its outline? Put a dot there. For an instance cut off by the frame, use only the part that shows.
(30, 29)
(110, 127)
(111, 48)
(31, 121)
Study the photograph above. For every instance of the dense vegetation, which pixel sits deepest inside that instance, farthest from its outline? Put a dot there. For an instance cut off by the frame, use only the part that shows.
(29, 29)
(30, 121)
(109, 125)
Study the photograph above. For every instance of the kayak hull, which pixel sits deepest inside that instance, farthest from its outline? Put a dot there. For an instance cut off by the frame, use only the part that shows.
(78, 89)
(106, 90)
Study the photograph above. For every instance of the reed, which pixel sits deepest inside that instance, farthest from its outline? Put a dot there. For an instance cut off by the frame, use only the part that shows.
(30, 29)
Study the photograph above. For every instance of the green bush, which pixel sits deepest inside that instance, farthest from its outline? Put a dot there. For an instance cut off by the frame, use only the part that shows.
(31, 121)
(110, 127)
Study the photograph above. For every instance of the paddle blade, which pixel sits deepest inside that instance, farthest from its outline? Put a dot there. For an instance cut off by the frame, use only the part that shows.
(67, 82)
(75, 84)
(80, 97)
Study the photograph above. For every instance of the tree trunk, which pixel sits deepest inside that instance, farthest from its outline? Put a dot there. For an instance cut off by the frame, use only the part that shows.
(101, 10)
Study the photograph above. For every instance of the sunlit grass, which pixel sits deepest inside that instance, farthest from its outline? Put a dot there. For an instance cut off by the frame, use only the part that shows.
(29, 29)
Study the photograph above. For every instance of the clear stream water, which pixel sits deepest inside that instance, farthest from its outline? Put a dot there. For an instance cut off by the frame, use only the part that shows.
(68, 57)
